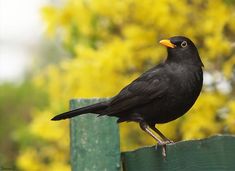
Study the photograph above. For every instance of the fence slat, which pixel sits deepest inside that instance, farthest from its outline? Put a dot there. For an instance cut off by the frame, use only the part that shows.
(216, 153)
(94, 141)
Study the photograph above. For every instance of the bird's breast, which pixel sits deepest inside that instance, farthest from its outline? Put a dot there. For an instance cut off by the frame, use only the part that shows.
(184, 89)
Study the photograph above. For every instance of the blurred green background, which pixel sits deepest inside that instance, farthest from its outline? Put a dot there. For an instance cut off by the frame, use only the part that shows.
(93, 48)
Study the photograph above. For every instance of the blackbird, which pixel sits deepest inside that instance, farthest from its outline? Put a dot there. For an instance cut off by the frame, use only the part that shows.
(161, 94)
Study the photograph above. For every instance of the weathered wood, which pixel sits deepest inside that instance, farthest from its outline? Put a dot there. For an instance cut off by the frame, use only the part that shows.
(94, 141)
(216, 153)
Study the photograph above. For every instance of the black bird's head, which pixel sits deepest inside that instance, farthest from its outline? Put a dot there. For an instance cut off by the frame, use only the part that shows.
(181, 49)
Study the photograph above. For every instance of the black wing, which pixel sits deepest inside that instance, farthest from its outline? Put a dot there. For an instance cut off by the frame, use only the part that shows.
(150, 85)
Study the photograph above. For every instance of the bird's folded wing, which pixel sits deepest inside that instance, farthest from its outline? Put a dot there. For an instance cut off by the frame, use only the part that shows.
(141, 91)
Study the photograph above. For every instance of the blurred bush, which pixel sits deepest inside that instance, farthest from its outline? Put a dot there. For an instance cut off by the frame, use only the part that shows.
(111, 43)
(16, 108)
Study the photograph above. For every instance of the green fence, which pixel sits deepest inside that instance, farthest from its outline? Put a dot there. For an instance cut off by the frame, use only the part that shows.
(95, 147)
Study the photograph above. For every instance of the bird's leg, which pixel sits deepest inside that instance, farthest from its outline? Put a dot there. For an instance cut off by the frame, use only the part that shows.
(145, 128)
(165, 139)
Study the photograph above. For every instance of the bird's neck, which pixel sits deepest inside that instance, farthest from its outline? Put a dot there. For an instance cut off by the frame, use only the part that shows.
(194, 59)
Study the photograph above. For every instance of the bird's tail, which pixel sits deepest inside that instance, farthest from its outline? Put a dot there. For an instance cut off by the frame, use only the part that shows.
(95, 108)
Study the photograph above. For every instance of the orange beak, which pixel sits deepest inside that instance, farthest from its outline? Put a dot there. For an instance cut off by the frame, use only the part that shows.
(167, 43)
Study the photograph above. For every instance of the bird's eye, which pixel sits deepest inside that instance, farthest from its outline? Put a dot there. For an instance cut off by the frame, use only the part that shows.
(184, 44)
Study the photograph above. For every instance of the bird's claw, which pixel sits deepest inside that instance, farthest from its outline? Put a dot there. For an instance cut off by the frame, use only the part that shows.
(167, 141)
(163, 145)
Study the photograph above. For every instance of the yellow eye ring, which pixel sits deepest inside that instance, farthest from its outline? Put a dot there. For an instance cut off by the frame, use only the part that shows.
(184, 44)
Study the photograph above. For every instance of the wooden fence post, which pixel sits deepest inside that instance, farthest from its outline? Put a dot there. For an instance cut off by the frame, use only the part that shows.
(216, 153)
(94, 141)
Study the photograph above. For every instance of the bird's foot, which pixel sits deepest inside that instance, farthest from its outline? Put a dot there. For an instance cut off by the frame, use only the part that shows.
(163, 149)
(168, 141)
(163, 145)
